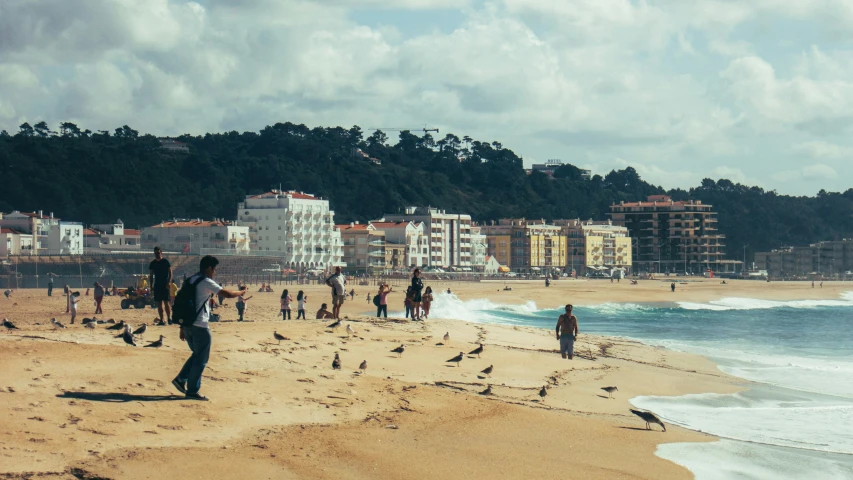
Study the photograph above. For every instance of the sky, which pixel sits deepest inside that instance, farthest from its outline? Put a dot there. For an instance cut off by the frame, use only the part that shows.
(756, 91)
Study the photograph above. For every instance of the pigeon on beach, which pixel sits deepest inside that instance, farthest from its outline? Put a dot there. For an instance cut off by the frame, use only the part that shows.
(127, 336)
(457, 359)
(477, 351)
(649, 417)
(9, 325)
(157, 344)
(399, 350)
(336, 363)
(279, 337)
(610, 390)
(488, 370)
(91, 325)
(56, 323)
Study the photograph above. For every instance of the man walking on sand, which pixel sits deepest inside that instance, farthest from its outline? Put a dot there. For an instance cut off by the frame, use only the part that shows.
(159, 277)
(198, 335)
(337, 282)
(567, 333)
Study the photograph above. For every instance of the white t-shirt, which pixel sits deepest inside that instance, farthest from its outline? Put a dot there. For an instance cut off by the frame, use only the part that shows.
(74, 304)
(204, 290)
(338, 282)
(301, 303)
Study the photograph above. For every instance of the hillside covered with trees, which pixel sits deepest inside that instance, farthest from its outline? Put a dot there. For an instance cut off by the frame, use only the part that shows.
(97, 177)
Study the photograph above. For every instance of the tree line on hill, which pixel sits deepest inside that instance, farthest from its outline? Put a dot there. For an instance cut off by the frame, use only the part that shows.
(97, 177)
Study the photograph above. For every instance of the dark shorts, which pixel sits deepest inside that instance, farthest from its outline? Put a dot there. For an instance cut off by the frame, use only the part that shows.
(417, 297)
(161, 294)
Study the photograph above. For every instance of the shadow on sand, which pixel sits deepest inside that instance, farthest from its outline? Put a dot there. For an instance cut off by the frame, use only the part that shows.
(115, 397)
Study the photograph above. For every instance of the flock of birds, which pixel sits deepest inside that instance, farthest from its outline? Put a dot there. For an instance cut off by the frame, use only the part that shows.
(128, 335)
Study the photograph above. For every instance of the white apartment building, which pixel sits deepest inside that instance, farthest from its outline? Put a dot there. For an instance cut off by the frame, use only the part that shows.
(13, 242)
(112, 237)
(65, 239)
(197, 236)
(449, 235)
(406, 246)
(39, 226)
(479, 248)
(293, 225)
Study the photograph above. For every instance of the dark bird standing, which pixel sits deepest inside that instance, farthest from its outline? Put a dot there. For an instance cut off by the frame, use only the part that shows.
(335, 325)
(457, 359)
(363, 365)
(9, 325)
(488, 370)
(610, 390)
(117, 326)
(157, 344)
(544, 392)
(399, 350)
(127, 336)
(477, 351)
(56, 323)
(649, 418)
(487, 391)
(141, 330)
(336, 363)
(279, 337)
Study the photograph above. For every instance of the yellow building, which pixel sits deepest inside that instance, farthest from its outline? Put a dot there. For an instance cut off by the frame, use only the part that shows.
(498, 246)
(596, 246)
(526, 246)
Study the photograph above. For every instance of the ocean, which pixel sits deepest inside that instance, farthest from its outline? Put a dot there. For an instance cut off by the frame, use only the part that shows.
(794, 422)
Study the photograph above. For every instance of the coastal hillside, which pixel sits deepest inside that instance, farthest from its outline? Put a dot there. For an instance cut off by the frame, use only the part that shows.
(101, 176)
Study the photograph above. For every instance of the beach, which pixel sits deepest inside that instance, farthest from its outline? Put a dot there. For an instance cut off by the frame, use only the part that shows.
(80, 402)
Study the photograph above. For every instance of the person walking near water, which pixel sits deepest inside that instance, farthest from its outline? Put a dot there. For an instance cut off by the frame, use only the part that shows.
(417, 287)
(159, 277)
(99, 297)
(567, 332)
(339, 294)
(427, 301)
(198, 335)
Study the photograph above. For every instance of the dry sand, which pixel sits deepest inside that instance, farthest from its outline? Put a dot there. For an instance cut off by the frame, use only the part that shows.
(80, 404)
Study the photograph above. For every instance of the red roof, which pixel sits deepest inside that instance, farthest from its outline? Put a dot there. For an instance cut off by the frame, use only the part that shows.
(88, 232)
(347, 226)
(10, 231)
(130, 231)
(292, 194)
(192, 223)
(386, 225)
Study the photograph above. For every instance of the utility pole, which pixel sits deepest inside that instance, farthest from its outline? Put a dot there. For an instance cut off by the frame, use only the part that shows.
(744, 260)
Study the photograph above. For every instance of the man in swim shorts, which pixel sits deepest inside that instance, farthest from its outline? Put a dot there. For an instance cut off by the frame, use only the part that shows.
(567, 333)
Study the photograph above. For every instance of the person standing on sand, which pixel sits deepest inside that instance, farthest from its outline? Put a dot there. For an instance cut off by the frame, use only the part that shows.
(241, 304)
(301, 300)
(383, 292)
(198, 335)
(73, 298)
(285, 305)
(672, 286)
(99, 297)
(368, 297)
(50, 285)
(417, 298)
(567, 332)
(427, 301)
(337, 282)
(159, 277)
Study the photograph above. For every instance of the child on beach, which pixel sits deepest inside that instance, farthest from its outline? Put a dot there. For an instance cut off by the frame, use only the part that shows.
(8, 293)
(285, 305)
(301, 300)
(73, 299)
(381, 300)
(241, 305)
(427, 301)
(368, 297)
(408, 303)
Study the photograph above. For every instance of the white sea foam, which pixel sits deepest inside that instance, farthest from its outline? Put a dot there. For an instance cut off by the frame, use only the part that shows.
(725, 459)
(450, 306)
(737, 303)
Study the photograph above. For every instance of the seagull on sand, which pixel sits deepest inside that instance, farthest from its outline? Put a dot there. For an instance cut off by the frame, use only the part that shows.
(127, 336)
(488, 370)
(363, 365)
(610, 390)
(157, 344)
(399, 350)
(141, 330)
(457, 359)
(350, 331)
(447, 338)
(279, 337)
(9, 325)
(56, 323)
(87, 321)
(91, 325)
(477, 351)
(117, 326)
(336, 363)
(649, 417)
(543, 392)
(487, 391)
(335, 325)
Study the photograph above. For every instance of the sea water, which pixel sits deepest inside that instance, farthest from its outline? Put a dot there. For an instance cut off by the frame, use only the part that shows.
(795, 421)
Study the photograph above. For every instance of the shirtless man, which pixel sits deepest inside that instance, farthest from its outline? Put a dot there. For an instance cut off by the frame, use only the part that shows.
(567, 333)
(324, 313)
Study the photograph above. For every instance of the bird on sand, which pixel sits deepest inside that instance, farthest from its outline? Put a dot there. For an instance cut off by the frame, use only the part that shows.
(610, 390)
(279, 337)
(335, 325)
(9, 325)
(399, 350)
(127, 336)
(117, 326)
(477, 351)
(111, 321)
(457, 359)
(649, 417)
(91, 325)
(336, 363)
(87, 321)
(157, 344)
(488, 370)
(447, 338)
(543, 392)
(56, 323)
(363, 365)
(487, 391)
(350, 331)
(141, 330)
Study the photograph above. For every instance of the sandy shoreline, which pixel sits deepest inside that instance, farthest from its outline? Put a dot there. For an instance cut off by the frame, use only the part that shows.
(81, 399)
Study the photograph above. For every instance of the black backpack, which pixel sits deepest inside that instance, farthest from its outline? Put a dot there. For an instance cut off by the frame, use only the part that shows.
(377, 300)
(185, 312)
